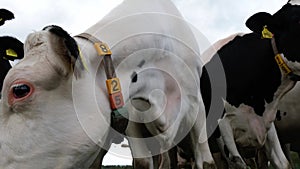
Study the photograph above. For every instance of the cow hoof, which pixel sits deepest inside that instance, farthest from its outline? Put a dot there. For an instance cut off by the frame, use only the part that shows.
(207, 165)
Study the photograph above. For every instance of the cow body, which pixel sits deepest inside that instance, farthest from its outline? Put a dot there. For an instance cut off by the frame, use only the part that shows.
(252, 74)
(287, 119)
(63, 119)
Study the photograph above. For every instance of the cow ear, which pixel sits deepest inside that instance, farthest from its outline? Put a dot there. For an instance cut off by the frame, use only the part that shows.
(73, 52)
(228, 107)
(11, 48)
(257, 21)
(70, 42)
(5, 15)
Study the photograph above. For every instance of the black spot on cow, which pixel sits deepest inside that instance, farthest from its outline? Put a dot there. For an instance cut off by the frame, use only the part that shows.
(141, 63)
(69, 41)
(71, 46)
(278, 115)
(134, 77)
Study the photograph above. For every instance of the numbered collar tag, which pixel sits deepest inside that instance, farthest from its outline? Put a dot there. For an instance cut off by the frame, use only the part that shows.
(115, 93)
(102, 49)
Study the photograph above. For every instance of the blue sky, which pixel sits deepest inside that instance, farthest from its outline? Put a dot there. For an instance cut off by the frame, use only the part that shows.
(214, 19)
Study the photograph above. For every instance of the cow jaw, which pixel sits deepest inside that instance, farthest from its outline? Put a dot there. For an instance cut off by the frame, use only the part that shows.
(38, 133)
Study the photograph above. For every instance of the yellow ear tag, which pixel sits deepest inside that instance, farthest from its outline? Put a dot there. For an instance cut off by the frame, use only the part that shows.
(266, 33)
(1, 19)
(12, 53)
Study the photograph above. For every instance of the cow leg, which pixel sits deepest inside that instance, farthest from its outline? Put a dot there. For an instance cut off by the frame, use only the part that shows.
(287, 152)
(173, 157)
(261, 159)
(233, 163)
(220, 161)
(227, 136)
(142, 158)
(165, 162)
(202, 154)
(274, 151)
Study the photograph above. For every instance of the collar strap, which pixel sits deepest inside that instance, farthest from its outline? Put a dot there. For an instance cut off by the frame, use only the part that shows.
(118, 121)
(266, 34)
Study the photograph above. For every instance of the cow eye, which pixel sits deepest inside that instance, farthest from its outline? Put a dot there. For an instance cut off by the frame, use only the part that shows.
(20, 90)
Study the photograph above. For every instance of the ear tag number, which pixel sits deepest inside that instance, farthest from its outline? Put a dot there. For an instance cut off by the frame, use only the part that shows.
(113, 85)
(102, 49)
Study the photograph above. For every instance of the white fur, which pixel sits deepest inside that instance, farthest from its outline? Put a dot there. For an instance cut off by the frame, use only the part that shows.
(294, 66)
(66, 119)
(294, 2)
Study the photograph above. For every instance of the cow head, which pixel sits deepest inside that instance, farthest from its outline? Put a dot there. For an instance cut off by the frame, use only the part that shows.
(248, 128)
(5, 15)
(38, 122)
(285, 26)
(10, 49)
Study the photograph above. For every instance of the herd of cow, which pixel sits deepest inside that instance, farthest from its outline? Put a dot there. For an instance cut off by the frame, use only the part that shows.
(242, 102)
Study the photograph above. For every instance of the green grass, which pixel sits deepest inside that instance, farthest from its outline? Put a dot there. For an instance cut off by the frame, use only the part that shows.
(295, 159)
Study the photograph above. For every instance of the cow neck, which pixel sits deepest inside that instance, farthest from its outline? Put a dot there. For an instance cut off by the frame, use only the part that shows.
(266, 34)
(118, 115)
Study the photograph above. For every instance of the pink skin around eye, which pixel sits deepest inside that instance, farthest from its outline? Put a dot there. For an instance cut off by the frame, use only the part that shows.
(12, 98)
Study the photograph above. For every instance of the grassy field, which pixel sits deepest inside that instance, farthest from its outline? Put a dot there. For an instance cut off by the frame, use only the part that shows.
(295, 159)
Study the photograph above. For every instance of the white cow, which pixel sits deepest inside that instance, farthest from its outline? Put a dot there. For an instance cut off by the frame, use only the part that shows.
(242, 127)
(55, 113)
(287, 122)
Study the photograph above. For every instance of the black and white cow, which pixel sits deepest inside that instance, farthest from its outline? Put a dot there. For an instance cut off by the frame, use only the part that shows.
(5, 15)
(10, 48)
(252, 73)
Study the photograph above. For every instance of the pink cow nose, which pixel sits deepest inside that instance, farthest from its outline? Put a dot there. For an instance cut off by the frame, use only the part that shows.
(19, 91)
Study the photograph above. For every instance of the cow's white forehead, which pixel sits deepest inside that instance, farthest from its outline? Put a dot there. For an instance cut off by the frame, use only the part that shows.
(294, 2)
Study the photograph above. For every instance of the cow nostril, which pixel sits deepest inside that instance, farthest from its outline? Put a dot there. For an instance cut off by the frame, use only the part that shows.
(20, 90)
